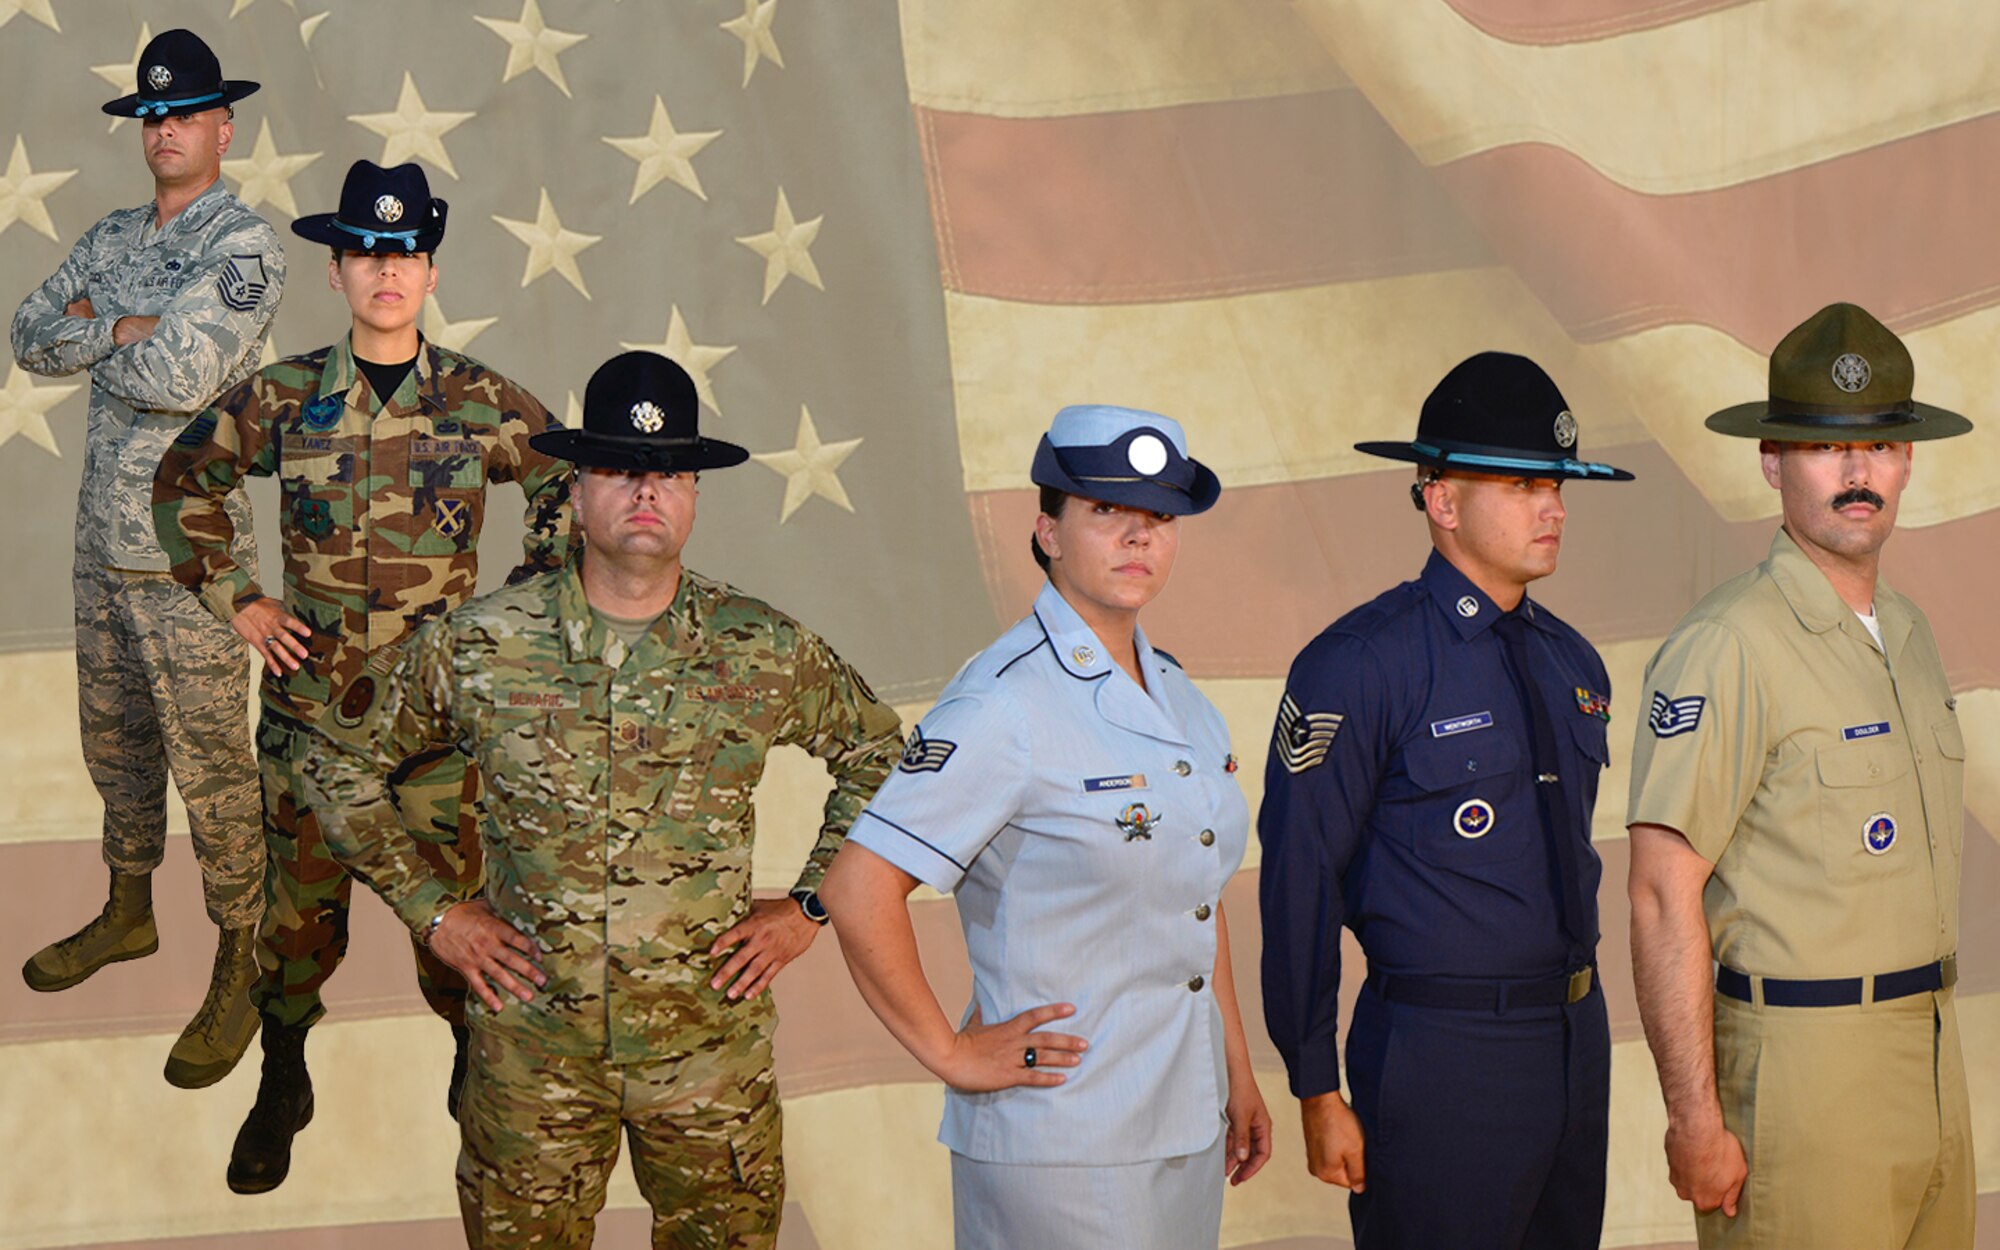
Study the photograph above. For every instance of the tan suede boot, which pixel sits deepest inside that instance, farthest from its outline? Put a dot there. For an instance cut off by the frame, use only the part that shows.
(221, 1030)
(123, 930)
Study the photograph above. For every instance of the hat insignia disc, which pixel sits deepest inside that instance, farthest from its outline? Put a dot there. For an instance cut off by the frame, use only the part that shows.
(1851, 372)
(1147, 455)
(1565, 429)
(159, 77)
(647, 418)
(388, 208)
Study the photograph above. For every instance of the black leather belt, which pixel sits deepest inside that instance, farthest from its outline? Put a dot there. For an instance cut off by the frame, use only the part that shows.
(1840, 991)
(1494, 996)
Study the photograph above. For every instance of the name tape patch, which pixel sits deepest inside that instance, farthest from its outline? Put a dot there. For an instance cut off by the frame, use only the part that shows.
(1097, 785)
(560, 700)
(1672, 717)
(1875, 730)
(1461, 724)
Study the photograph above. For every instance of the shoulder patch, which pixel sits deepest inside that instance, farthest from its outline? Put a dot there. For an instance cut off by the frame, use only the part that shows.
(242, 282)
(195, 434)
(1303, 738)
(925, 755)
(1670, 717)
(355, 703)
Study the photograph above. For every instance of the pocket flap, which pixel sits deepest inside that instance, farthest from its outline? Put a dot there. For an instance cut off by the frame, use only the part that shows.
(1869, 763)
(1441, 763)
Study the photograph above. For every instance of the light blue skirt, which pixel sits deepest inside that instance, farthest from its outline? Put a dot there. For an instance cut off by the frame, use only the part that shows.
(1161, 1204)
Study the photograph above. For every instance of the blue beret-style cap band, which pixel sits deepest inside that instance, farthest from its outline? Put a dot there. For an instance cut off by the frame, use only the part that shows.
(158, 108)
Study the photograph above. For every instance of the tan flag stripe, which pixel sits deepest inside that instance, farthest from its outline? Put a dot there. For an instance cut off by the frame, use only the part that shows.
(1290, 559)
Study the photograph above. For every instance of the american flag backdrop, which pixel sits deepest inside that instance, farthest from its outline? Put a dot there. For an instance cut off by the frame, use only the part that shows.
(890, 240)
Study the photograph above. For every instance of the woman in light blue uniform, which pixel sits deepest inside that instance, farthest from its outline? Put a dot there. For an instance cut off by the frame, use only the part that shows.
(1074, 789)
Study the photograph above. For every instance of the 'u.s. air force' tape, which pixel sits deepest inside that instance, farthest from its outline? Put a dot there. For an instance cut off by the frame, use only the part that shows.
(1670, 717)
(1303, 738)
(925, 755)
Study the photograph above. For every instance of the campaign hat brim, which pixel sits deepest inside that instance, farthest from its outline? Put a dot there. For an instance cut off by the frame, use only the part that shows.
(1148, 493)
(233, 89)
(1503, 461)
(650, 455)
(1756, 420)
(320, 228)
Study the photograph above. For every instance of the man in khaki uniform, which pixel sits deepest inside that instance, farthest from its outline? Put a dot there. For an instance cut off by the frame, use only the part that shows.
(1797, 818)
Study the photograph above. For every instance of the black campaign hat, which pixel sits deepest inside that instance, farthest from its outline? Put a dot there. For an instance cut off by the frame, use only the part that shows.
(1497, 413)
(640, 411)
(178, 75)
(381, 210)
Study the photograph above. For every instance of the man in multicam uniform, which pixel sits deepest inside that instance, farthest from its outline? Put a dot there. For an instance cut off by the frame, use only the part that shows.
(621, 710)
(165, 304)
(384, 445)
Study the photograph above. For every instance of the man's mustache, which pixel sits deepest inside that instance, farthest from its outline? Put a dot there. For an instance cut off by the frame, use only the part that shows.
(1860, 494)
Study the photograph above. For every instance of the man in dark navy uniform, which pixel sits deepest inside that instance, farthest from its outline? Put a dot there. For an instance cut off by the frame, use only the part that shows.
(1430, 786)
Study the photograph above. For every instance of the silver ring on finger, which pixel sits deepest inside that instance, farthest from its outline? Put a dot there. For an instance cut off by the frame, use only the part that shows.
(271, 642)
(1028, 1059)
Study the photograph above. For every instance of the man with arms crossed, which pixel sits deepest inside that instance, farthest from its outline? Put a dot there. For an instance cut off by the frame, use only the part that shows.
(1430, 786)
(1797, 816)
(385, 445)
(165, 304)
(621, 710)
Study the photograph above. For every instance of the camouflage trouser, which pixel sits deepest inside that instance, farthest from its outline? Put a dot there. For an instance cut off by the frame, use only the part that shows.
(163, 687)
(541, 1137)
(308, 893)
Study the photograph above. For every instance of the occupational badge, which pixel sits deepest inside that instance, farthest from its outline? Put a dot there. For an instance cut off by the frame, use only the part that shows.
(647, 417)
(313, 517)
(1590, 703)
(1303, 738)
(1565, 429)
(388, 208)
(1136, 821)
(924, 755)
(1473, 819)
(1671, 717)
(159, 77)
(322, 413)
(1851, 372)
(451, 517)
(355, 703)
(1878, 833)
(1084, 657)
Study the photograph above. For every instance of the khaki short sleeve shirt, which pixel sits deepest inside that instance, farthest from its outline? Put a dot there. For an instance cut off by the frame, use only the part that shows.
(1823, 777)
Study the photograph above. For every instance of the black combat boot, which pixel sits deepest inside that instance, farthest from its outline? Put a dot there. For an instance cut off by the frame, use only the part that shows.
(263, 1152)
(461, 1038)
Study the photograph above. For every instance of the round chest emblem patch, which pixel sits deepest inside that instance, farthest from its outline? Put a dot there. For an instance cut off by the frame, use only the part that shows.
(1473, 819)
(159, 77)
(359, 698)
(1878, 833)
(1565, 429)
(1147, 455)
(647, 417)
(1468, 607)
(1084, 656)
(1851, 372)
(388, 208)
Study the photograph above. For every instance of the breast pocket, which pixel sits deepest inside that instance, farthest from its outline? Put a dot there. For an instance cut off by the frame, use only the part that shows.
(528, 764)
(1871, 817)
(1458, 819)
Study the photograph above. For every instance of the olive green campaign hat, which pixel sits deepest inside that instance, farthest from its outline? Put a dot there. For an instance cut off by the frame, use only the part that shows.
(1841, 377)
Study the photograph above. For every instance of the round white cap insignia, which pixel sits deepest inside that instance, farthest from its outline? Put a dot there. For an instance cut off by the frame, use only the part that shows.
(1565, 429)
(388, 208)
(1851, 372)
(1147, 454)
(647, 418)
(1468, 607)
(159, 77)
(1084, 656)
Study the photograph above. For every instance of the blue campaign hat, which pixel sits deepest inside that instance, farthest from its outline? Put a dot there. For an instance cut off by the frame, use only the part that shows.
(381, 210)
(1124, 456)
(178, 75)
(1498, 413)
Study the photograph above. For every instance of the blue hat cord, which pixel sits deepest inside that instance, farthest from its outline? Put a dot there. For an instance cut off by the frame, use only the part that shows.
(158, 108)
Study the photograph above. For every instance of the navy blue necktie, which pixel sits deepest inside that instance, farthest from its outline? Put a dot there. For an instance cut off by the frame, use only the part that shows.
(1557, 820)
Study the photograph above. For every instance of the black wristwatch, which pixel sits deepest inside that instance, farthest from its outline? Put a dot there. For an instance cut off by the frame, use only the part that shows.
(808, 901)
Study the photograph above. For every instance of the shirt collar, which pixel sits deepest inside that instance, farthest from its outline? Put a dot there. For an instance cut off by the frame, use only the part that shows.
(1076, 645)
(341, 373)
(1819, 606)
(194, 216)
(678, 633)
(1465, 605)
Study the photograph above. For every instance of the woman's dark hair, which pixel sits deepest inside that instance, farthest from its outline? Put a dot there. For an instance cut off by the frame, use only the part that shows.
(1053, 503)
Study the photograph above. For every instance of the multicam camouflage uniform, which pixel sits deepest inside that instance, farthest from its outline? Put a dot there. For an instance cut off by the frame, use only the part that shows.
(161, 686)
(381, 532)
(618, 832)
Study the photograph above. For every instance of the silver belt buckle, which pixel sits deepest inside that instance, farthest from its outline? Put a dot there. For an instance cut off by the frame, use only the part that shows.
(1579, 984)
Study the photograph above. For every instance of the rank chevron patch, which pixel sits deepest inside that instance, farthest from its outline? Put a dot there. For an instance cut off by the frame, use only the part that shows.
(1304, 738)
